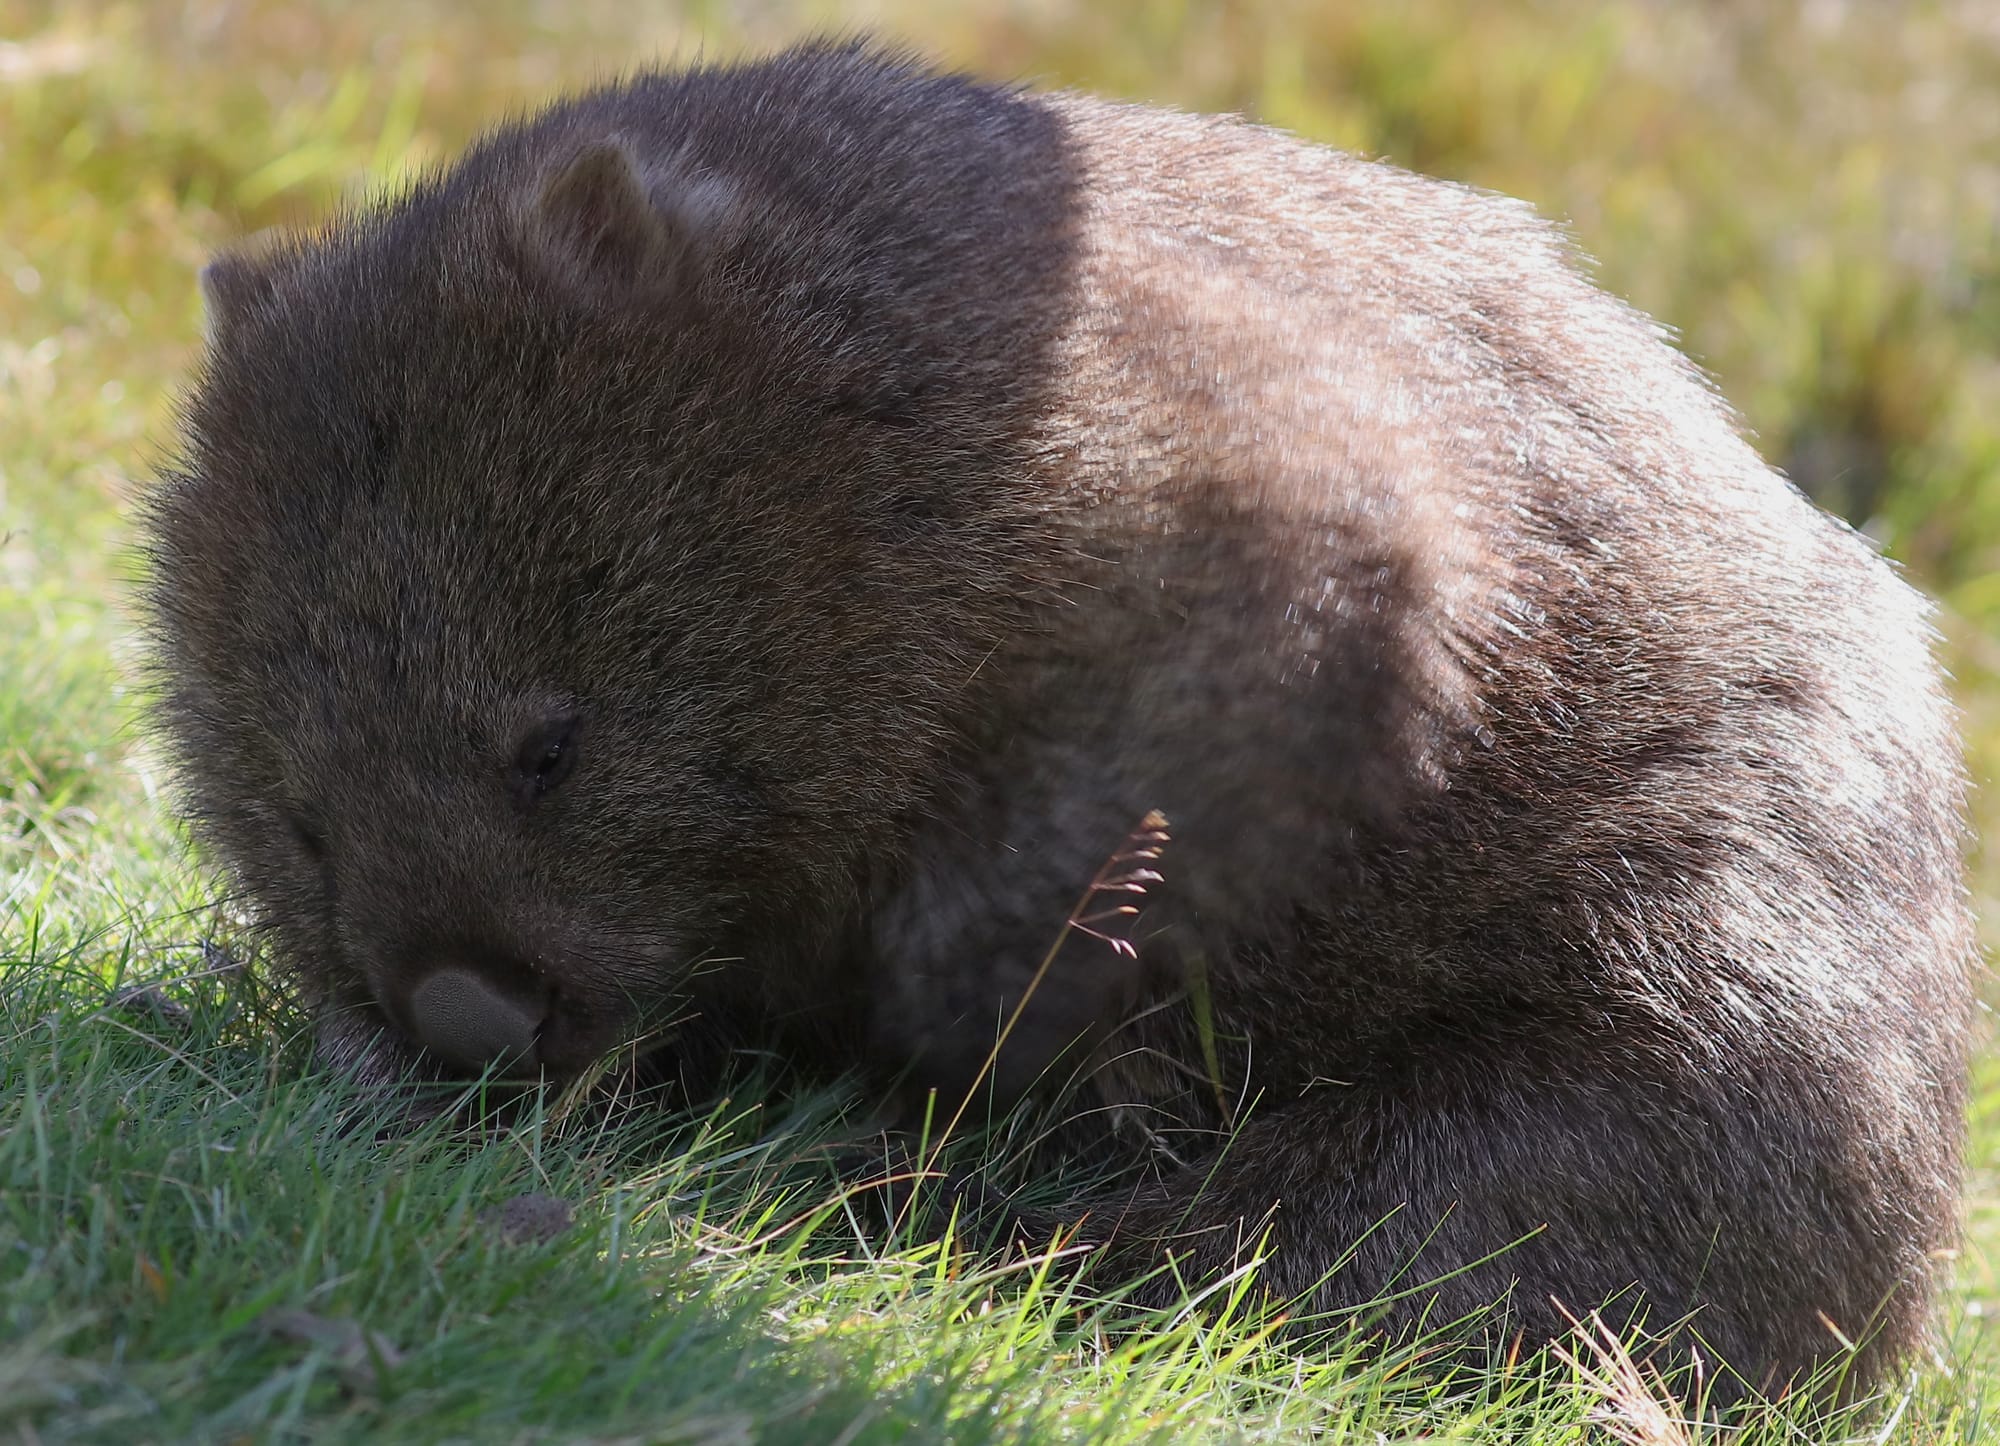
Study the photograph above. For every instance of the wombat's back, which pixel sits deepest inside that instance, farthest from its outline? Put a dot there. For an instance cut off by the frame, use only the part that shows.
(1630, 793)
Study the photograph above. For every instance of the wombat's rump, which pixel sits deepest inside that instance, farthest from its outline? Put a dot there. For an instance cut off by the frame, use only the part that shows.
(750, 542)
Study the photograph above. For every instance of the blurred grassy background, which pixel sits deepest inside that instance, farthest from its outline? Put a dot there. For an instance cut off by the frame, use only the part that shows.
(1807, 190)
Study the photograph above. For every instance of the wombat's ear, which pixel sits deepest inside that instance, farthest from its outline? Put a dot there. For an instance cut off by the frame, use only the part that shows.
(598, 223)
(231, 288)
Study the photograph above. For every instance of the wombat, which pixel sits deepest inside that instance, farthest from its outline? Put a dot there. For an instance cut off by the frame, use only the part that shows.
(746, 545)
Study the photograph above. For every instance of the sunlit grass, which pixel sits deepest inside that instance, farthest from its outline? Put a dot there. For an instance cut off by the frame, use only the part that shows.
(178, 1191)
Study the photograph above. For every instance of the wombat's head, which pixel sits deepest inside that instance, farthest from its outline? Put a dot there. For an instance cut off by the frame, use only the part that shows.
(557, 593)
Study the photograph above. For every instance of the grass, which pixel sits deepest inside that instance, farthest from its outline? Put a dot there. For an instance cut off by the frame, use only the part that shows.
(206, 1240)
(1812, 199)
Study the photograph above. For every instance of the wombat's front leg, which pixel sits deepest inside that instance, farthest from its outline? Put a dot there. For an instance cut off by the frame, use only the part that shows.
(978, 933)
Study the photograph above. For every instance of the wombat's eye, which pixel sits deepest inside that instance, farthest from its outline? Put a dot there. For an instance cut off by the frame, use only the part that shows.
(308, 835)
(547, 755)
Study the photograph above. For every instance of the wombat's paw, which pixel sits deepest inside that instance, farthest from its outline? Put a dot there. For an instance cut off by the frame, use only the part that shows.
(1149, 1243)
(979, 1212)
(895, 1188)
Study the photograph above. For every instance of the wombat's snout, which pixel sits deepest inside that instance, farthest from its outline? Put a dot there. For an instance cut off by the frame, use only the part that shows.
(475, 1019)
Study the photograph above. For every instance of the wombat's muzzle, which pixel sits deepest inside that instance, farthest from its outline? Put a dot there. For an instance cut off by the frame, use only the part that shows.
(476, 1021)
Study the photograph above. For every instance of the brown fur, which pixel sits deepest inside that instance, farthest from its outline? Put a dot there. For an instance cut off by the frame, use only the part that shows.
(752, 541)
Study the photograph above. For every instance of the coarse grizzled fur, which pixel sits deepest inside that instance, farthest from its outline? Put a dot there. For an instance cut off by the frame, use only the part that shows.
(749, 542)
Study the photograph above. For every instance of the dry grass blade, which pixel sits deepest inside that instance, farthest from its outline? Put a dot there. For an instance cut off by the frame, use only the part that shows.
(1634, 1407)
(1129, 872)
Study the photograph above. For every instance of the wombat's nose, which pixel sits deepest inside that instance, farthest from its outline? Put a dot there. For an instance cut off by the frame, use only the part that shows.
(475, 1022)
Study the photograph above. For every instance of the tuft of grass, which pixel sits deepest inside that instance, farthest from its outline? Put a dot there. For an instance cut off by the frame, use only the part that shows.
(203, 1237)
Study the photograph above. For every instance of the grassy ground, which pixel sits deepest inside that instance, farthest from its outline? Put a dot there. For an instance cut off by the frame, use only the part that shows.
(200, 1238)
